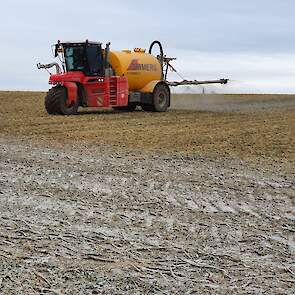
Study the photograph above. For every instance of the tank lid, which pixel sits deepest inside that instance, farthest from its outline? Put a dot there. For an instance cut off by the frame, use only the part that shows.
(126, 51)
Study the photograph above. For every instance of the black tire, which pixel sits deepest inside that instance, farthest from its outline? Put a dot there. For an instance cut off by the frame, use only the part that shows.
(161, 98)
(129, 108)
(56, 102)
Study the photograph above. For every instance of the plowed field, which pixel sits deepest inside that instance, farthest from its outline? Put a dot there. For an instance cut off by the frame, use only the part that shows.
(198, 200)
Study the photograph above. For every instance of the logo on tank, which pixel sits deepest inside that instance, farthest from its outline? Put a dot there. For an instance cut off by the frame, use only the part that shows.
(136, 66)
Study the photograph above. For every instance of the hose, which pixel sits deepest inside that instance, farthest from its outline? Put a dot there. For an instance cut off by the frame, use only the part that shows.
(48, 66)
(160, 46)
(161, 56)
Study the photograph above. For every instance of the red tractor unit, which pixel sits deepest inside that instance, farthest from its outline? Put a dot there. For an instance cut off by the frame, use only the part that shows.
(96, 77)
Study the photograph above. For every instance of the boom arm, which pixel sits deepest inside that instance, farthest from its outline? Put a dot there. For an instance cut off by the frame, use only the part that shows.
(196, 82)
(166, 64)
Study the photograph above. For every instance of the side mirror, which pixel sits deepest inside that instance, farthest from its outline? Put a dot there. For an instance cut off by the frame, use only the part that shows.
(56, 50)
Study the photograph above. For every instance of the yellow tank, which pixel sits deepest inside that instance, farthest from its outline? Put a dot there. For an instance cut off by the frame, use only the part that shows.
(142, 70)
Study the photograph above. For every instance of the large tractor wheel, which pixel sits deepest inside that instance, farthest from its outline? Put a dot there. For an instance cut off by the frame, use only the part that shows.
(56, 102)
(161, 100)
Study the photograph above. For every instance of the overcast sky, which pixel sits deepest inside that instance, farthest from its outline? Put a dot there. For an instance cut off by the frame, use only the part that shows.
(251, 42)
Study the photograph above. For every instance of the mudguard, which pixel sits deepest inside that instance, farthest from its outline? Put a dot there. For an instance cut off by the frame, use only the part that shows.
(72, 90)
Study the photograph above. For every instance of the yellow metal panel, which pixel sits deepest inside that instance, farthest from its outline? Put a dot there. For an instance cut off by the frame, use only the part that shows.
(150, 86)
(140, 68)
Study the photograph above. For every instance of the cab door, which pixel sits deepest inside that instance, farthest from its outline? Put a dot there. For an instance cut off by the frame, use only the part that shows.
(95, 60)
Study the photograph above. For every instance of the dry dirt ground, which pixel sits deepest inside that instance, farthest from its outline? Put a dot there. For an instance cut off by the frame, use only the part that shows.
(186, 202)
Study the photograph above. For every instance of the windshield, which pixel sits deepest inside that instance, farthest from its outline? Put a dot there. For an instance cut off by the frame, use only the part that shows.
(75, 58)
(83, 57)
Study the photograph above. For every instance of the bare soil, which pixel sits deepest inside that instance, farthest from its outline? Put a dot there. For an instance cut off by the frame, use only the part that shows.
(251, 133)
(186, 202)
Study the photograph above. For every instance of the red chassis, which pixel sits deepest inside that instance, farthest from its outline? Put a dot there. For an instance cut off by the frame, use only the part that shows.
(93, 91)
